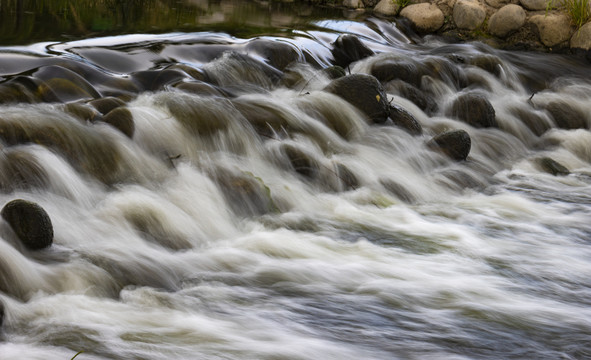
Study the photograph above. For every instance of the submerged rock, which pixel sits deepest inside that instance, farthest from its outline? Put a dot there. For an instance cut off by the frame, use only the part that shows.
(106, 104)
(456, 144)
(30, 223)
(474, 109)
(302, 162)
(566, 116)
(348, 49)
(334, 72)
(414, 94)
(402, 118)
(278, 54)
(246, 194)
(552, 166)
(364, 92)
(122, 120)
(20, 170)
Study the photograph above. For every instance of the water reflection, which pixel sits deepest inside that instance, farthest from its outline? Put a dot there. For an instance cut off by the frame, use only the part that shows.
(23, 21)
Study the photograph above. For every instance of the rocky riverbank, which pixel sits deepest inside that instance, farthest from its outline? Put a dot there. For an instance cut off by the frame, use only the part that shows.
(510, 24)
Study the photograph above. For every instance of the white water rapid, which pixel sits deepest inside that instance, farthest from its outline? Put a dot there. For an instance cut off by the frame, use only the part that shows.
(254, 215)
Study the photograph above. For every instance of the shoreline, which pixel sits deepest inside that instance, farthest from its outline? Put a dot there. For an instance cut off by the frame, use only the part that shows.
(505, 24)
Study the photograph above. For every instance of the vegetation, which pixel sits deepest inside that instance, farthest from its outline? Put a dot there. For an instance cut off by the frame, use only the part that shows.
(578, 10)
(401, 3)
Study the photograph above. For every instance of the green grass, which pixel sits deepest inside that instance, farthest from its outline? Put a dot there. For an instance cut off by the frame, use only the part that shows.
(578, 10)
(401, 3)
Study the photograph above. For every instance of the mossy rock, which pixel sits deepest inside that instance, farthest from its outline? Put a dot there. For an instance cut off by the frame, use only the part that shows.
(455, 144)
(64, 84)
(365, 93)
(30, 223)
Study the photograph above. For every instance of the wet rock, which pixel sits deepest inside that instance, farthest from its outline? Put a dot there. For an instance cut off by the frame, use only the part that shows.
(265, 121)
(246, 194)
(348, 49)
(552, 166)
(581, 39)
(534, 4)
(121, 119)
(200, 115)
(302, 162)
(532, 119)
(64, 84)
(11, 93)
(1, 313)
(412, 93)
(508, 19)
(402, 118)
(405, 70)
(240, 72)
(83, 147)
(398, 190)
(455, 144)
(348, 180)
(468, 14)
(30, 223)
(278, 54)
(473, 109)
(425, 17)
(152, 226)
(387, 8)
(553, 29)
(489, 63)
(445, 70)
(20, 170)
(200, 88)
(334, 72)
(566, 116)
(364, 92)
(153, 80)
(106, 104)
(82, 112)
(195, 73)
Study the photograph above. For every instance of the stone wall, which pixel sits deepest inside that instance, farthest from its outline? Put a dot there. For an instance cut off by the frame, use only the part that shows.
(518, 24)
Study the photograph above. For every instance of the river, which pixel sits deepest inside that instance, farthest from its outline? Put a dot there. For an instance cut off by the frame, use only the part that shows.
(248, 213)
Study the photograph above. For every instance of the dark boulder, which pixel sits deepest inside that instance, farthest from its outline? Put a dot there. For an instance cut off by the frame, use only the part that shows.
(30, 223)
(531, 118)
(106, 104)
(334, 72)
(566, 116)
(414, 94)
(402, 118)
(348, 49)
(364, 92)
(278, 54)
(552, 166)
(400, 69)
(122, 120)
(474, 109)
(455, 143)
(1, 313)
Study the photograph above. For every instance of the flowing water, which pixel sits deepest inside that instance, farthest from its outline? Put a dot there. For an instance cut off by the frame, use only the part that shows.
(249, 214)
